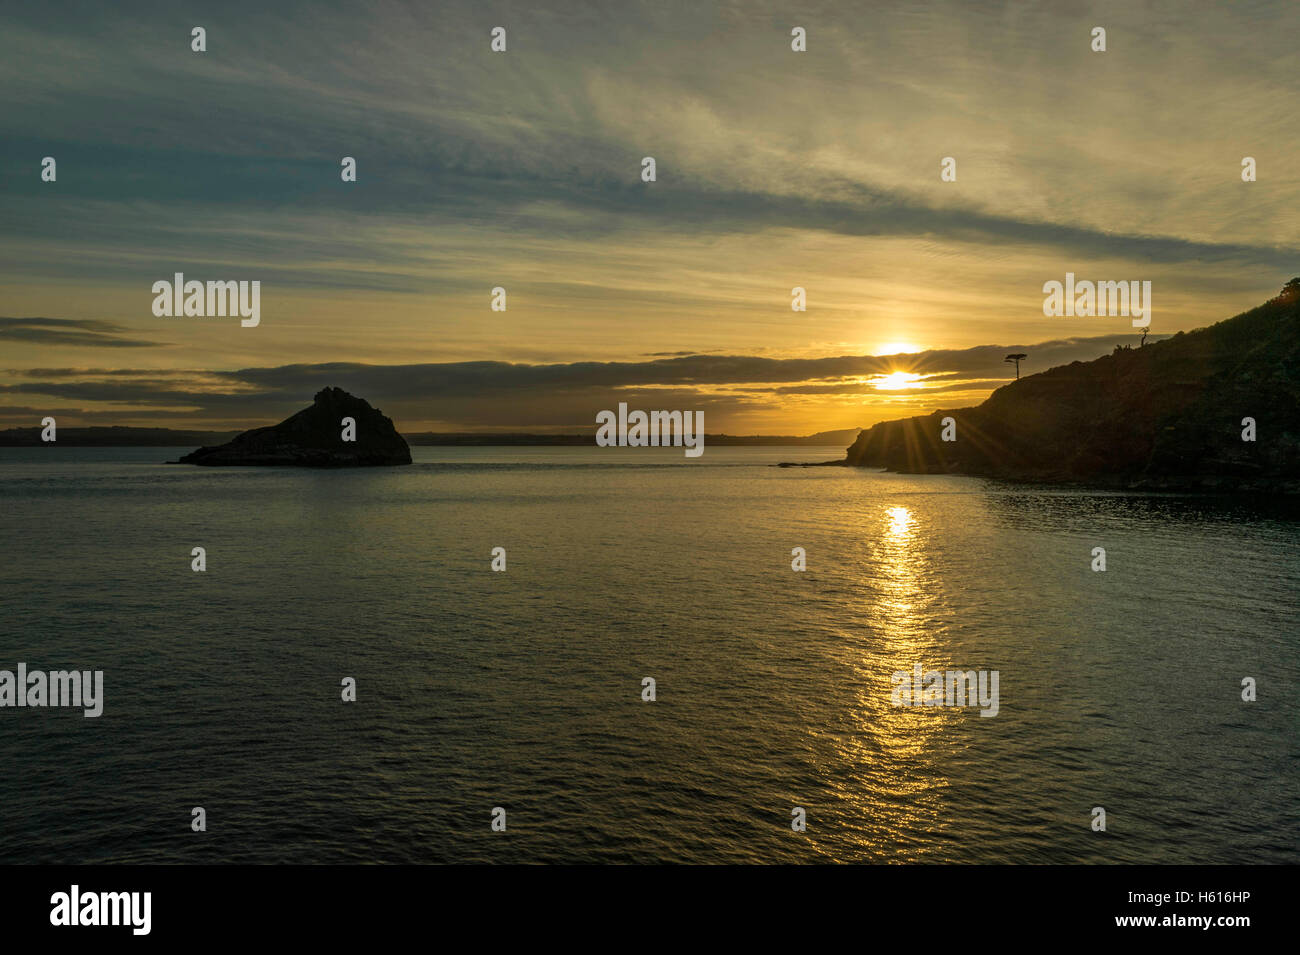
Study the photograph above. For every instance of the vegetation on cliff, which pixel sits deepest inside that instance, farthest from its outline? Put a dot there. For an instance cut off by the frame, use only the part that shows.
(1170, 414)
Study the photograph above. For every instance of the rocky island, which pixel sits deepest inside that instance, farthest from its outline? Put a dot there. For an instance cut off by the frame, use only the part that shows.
(315, 438)
(1170, 415)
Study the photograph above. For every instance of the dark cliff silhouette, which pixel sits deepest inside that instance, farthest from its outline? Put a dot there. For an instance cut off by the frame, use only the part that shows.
(1167, 415)
(313, 438)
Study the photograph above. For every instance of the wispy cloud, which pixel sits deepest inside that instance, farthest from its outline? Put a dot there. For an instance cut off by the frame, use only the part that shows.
(68, 331)
(521, 170)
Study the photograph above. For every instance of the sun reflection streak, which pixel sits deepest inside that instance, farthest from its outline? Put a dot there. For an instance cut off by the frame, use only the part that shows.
(898, 755)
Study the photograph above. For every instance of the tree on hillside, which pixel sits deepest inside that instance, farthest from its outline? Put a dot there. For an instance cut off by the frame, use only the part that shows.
(1290, 291)
(1016, 359)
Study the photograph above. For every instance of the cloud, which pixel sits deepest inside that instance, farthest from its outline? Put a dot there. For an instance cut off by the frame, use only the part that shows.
(522, 170)
(494, 394)
(67, 331)
(546, 140)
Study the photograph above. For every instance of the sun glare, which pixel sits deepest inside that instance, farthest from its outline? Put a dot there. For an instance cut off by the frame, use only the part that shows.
(897, 348)
(900, 522)
(899, 379)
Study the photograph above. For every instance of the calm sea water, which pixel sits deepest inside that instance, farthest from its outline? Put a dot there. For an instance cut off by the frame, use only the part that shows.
(523, 689)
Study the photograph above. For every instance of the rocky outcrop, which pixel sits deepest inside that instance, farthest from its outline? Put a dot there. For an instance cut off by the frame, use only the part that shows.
(1167, 415)
(313, 438)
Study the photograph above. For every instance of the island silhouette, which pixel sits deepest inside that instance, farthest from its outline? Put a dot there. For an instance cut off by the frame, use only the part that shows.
(339, 430)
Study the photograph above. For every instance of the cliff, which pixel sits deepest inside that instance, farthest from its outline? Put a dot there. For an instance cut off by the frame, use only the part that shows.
(1167, 415)
(314, 438)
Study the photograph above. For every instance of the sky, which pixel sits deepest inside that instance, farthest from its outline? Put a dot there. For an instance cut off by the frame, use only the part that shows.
(523, 170)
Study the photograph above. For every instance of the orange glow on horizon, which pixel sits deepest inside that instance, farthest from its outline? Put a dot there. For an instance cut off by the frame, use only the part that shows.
(898, 379)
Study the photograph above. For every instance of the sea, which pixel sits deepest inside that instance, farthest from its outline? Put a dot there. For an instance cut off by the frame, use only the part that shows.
(504, 716)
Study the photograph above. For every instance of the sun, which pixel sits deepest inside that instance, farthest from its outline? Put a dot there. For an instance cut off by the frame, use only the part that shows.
(898, 379)
(898, 348)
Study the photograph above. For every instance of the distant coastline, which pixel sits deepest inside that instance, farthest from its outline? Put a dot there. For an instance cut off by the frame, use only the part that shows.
(117, 436)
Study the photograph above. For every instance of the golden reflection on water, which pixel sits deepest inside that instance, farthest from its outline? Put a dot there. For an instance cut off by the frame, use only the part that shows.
(900, 523)
(896, 757)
